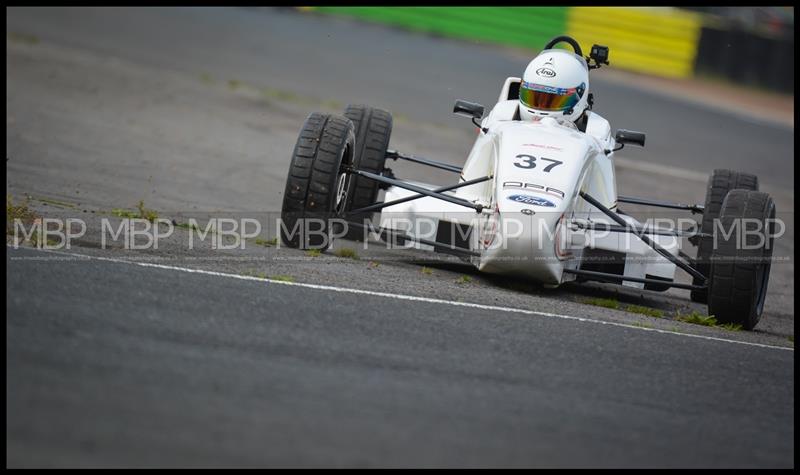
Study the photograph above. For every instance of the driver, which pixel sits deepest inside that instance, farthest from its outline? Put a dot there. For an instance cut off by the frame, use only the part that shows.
(555, 84)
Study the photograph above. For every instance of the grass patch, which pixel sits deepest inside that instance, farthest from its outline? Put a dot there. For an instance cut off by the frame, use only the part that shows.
(18, 211)
(650, 312)
(144, 213)
(615, 305)
(791, 338)
(400, 118)
(313, 253)
(464, 279)
(266, 242)
(427, 270)
(734, 327)
(698, 319)
(606, 303)
(331, 104)
(124, 213)
(253, 273)
(27, 217)
(22, 38)
(38, 241)
(233, 84)
(708, 321)
(56, 203)
(140, 213)
(206, 78)
(288, 96)
(346, 252)
(282, 278)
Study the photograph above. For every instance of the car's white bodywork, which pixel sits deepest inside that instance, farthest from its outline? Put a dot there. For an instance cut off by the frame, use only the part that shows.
(532, 208)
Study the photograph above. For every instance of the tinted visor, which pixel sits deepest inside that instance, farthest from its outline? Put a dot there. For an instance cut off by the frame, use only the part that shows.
(548, 98)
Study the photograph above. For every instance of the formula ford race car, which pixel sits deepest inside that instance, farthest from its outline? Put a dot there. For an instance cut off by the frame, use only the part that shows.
(536, 199)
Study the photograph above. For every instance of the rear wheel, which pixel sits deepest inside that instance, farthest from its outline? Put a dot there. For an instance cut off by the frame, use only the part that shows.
(373, 128)
(719, 184)
(318, 185)
(741, 262)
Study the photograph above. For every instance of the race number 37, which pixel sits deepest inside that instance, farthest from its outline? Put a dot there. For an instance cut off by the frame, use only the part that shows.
(529, 162)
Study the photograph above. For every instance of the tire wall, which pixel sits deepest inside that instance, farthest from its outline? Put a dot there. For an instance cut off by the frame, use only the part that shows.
(746, 57)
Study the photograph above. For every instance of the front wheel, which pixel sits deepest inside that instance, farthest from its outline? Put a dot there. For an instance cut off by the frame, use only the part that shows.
(373, 129)
(741, 259)
(318, 183)
(719, 184)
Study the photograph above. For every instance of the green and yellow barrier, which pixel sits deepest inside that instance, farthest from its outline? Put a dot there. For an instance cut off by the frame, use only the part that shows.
(519, 26)
(660, 41)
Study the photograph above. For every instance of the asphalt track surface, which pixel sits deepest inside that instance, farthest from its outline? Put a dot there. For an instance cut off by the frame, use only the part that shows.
(221, 372)
(111, 364)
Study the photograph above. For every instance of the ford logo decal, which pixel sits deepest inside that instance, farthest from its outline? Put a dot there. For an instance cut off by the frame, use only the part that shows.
(546, 72)
(532, 200)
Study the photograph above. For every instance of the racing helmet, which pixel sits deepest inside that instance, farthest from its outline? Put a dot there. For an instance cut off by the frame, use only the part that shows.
(555, 84)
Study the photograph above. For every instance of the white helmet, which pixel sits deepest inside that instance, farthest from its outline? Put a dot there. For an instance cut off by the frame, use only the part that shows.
(555, 84)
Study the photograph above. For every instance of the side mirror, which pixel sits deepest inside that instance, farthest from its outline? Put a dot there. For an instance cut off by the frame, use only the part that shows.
(468, 109)
(629, 136)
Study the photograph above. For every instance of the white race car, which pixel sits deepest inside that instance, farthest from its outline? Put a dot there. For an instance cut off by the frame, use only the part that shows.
(536, 199)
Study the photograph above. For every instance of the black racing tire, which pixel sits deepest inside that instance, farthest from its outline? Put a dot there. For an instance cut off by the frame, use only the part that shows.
(373, 129)
(316, 179)
(719, 184)
(741, 262)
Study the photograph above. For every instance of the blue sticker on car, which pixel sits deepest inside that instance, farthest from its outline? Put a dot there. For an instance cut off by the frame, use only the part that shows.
(532, 200)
